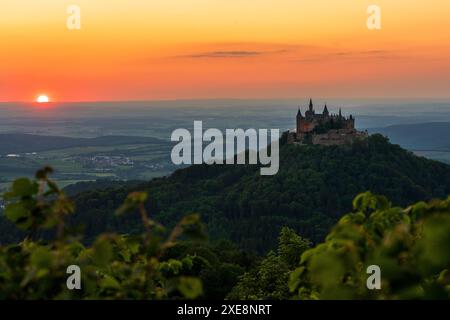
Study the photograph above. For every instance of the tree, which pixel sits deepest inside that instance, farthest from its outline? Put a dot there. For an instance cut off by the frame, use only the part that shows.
(411, 247)
(114, 266)
(269, 279)
(291, 246)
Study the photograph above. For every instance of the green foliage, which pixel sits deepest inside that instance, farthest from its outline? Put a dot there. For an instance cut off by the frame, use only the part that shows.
(113, 267)
(30, 210)
(217, 265)
(291, 246)
(411, 246)
(269, 280)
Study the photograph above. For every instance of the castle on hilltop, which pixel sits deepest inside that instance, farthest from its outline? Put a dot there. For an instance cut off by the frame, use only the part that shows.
(324, 128)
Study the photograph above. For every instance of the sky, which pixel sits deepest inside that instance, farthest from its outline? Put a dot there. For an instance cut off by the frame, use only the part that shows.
(208, 49)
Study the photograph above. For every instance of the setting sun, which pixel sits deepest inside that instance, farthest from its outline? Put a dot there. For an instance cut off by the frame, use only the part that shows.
(42, 99)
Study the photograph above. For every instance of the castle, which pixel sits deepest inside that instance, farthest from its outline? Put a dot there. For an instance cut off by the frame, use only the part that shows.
(324, 128)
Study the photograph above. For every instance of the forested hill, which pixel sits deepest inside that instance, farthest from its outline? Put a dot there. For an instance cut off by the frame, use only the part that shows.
(314, 186)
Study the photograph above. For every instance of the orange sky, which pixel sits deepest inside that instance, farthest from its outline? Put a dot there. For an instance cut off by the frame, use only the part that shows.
(181, 49)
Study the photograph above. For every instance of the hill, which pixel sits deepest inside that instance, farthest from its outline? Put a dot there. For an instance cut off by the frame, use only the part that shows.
(314, 186)
(21, 143)
(419, 136)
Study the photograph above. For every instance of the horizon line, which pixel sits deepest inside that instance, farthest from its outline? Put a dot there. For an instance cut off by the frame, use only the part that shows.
(226, 99)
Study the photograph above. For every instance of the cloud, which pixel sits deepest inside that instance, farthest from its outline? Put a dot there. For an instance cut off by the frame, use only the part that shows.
(240, 50)
(369, 54)
(224, 54)
(304, 53)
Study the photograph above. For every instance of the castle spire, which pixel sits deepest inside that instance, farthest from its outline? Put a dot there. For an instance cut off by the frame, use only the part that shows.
(299, 113)
(325, 110)
(310, 105)
(340, 113)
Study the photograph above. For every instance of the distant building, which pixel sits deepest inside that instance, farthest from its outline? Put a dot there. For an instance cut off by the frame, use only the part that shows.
(324, 128)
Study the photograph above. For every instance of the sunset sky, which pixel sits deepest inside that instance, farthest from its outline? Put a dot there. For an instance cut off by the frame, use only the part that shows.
(189, 49)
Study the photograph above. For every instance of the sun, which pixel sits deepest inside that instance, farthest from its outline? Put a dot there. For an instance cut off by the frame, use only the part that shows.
(42, 99)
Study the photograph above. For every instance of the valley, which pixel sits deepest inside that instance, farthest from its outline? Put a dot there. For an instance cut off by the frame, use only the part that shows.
(131, 141)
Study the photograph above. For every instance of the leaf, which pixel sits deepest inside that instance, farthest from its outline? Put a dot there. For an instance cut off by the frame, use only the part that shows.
(367, 200)
(24, 187)
(444, 277)
(109, 282)
(307, 255)
(133, 245)
(103, 253)
(294, 279)
(41, 258)
(15, 211)
(190, 287)
(132, 202)
(53, 186)
(433, 246)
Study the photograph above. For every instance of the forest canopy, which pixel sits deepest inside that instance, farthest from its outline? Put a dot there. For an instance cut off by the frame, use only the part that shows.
(410, 245)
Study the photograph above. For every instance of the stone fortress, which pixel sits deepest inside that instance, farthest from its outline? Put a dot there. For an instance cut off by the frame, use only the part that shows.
(324, 128)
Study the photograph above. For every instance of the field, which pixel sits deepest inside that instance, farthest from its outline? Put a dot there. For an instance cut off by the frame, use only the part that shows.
(123, 162)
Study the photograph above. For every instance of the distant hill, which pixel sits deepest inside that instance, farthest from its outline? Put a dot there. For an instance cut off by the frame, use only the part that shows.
(314, 186)
(75, 188)
(431, 136)
(22, 143)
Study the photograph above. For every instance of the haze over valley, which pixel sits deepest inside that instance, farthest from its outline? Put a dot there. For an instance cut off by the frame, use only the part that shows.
(131, 140)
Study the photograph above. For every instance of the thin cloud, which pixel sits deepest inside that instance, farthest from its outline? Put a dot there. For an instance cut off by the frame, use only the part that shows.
(223, 54)
(369, 54)
(232, 53)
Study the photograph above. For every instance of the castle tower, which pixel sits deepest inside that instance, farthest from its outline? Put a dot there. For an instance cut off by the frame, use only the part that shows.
(299, 121)
(310, 113)
(307, 123)
(325, 112)
(351, 122)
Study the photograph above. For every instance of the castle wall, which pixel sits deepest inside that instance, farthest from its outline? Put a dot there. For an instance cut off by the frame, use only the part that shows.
(349, 124)
(304, 126)
(338, 137)
(333, 137)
